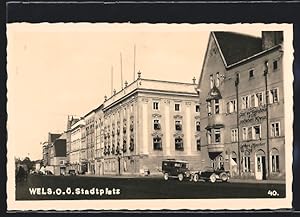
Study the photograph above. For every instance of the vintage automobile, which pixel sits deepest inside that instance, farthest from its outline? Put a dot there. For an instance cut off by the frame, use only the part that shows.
(72, 173)
(212, 175)
(172, 168)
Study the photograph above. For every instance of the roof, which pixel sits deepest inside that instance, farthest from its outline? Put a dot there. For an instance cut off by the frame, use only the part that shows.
(53, 136)
(151, 86)
(236, 47)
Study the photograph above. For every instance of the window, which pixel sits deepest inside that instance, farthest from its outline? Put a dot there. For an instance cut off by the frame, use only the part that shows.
(198, 142)
(157, 143)
(274, 160)
(209, 136)
(275, 65)
(251, 73)
(217, 106)
(253, 102)
(179, 144)
(256, 132)
(131, 108)
(178, 125)
(155, 105)
(249, 136)
(198, 126)
(218, 79)
(245, 133)
(124, 127)
(156, 125)
(124, 145)
(231, 106)
(177, 107)
(208, 108)
(259, 99)
(217, 135)
(275, 129)
(211, 79)
(131, 144)
(246, 164)
(234, 135)
(273, 95)
(197, 108)
(245, 102)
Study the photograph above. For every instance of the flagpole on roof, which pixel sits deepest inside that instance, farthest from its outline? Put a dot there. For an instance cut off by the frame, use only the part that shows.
(121, 71)
(134, 53)
(112, 79)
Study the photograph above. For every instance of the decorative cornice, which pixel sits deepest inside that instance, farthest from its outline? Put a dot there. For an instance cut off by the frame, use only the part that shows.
(157, 134)
(156, 115)
(178, 134)
(178, 116)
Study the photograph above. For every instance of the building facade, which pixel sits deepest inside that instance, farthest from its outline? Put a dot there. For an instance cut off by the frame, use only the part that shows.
(99, 141)
(76, 146)
(146, 122)
(58, 157)
(89, 120)
(242, 102)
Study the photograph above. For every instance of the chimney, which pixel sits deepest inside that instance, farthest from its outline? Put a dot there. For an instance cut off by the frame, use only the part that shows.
(271, 39)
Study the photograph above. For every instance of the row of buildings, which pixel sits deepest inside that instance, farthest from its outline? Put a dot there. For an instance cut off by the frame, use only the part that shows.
(232, 118)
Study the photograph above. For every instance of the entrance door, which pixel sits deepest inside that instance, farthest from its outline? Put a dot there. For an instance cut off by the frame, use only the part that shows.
(260, 167)
(264, 171)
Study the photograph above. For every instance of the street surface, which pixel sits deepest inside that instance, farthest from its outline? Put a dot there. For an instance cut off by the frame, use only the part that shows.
(82, 187)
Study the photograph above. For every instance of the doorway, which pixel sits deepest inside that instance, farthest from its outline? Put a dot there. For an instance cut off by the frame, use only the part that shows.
(260, 167)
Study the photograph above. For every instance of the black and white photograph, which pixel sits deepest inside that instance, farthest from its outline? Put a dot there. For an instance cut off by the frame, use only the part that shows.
(149, 116)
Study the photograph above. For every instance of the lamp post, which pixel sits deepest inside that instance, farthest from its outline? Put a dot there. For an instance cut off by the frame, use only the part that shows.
(267, 116)
(237, 81)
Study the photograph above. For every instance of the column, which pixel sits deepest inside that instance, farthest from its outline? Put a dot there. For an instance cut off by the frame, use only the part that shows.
(188, 128)
(167, 128)
(145, 131)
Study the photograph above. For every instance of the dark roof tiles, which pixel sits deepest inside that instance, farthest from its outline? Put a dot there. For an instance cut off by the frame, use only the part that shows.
(236, 47)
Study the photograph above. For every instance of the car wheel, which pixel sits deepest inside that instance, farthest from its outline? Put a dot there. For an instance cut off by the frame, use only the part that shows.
(196, 178)
(224, 177)
(213, 178)
(166, 176)
(180, 177)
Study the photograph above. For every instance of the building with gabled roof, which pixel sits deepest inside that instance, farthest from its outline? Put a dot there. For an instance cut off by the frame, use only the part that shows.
(241, 102)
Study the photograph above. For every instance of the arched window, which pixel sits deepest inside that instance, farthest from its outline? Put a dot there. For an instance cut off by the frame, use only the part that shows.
(220, 162)
(274, 160)
(131, 144)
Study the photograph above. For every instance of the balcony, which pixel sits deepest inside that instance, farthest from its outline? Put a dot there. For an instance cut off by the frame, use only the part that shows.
(215, 147)
(215, 121)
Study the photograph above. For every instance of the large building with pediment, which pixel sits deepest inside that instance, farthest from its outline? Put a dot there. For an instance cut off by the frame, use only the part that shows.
(242, 105)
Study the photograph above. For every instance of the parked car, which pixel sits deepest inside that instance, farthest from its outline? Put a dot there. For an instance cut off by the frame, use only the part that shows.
(48, 173)
(212, 175)
(172, 168)
(72, 172)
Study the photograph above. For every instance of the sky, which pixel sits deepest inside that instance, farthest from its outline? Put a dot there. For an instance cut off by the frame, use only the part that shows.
(56, 70)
